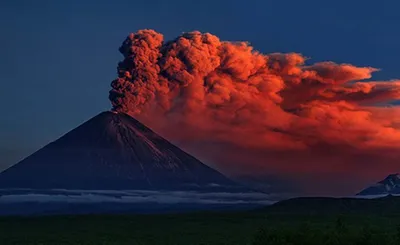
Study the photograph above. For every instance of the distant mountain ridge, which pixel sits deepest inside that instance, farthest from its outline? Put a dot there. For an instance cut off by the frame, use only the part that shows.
(332, 206)
(389, 185)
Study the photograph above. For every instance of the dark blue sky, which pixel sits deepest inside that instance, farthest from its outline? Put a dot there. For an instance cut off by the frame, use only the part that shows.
(59, 57)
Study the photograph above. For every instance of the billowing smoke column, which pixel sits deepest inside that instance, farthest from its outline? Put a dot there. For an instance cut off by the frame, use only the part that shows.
(250, 113)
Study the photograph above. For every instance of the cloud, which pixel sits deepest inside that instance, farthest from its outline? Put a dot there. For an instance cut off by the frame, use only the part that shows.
(132, 196)
(247, 112)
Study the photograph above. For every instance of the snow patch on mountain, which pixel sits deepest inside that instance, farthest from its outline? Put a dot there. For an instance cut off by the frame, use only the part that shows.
(389, 185)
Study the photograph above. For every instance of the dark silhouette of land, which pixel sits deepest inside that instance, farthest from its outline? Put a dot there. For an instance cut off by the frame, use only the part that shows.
(299, 221)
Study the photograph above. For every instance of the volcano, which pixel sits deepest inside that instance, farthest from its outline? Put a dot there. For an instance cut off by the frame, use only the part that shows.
(113, 151)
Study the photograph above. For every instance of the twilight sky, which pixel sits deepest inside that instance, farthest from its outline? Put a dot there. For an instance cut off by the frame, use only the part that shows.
(59, 57)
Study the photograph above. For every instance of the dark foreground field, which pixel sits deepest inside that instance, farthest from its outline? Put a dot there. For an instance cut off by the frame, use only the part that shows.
(201, 228)
(301, 221)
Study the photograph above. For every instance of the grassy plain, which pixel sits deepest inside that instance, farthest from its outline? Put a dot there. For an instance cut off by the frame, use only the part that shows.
(252, 227)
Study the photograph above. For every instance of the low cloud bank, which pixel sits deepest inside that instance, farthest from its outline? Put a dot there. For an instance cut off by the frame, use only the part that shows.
(133, 196)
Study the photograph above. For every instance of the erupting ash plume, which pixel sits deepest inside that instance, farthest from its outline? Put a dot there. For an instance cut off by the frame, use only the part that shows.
(249, 113)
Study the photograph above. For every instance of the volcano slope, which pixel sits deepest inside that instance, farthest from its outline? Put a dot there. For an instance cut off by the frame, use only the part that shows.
(113, 158)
